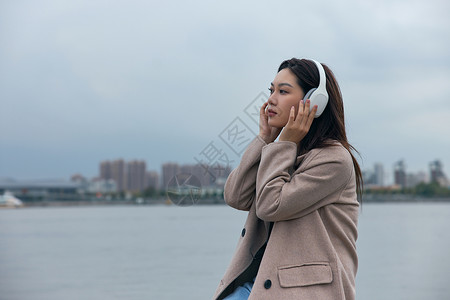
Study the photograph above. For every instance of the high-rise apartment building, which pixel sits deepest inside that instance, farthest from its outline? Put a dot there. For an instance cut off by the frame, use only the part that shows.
(129, 176)
(105, 170)
(135, 176)
(437, 172)
(169, 170)
(400, 173)
(113, 170)
(379, 174)
(118, 173)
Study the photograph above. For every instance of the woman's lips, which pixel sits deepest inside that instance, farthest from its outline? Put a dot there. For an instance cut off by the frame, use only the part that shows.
(271, 113)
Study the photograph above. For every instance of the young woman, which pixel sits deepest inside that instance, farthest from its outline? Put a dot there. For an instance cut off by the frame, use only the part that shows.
(301, 192)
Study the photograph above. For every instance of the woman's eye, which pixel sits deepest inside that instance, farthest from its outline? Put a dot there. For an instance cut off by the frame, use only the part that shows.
(283, 92)
(271, 91)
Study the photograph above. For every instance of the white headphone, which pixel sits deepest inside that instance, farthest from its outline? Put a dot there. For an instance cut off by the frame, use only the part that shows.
(318, 96)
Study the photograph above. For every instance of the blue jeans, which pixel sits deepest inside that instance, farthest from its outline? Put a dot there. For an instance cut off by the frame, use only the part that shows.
(241, 292)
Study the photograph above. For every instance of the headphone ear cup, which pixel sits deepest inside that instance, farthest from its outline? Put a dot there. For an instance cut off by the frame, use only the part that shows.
(309, 93)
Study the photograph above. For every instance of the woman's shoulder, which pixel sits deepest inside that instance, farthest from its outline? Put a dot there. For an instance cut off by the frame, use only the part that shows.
(332, 152)
(330, 147)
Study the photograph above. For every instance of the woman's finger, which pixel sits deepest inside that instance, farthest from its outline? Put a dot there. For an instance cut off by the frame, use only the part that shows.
(263, 118)
(291, 115)
(311, 116)
(262, 110)
(306, 112)
(300, 111)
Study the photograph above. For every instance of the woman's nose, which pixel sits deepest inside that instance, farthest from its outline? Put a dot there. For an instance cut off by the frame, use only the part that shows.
(272, 100)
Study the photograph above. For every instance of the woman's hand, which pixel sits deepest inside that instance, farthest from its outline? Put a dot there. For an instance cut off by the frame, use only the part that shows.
(266, 132)
(297, 127)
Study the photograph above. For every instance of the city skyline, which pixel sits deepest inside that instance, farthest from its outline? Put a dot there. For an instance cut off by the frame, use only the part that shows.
(133, 175)
(387, 171)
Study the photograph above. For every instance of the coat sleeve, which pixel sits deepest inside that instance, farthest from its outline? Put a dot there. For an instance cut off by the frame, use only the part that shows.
(240, 187)
(280, 196)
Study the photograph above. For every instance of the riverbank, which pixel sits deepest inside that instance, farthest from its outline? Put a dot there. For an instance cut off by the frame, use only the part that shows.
(368, 198)
(401, 198)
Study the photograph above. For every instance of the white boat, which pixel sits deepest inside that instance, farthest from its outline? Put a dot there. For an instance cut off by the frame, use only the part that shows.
(9, 200)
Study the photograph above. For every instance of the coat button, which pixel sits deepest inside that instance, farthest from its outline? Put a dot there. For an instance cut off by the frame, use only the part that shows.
(267, 284)
(243, 232)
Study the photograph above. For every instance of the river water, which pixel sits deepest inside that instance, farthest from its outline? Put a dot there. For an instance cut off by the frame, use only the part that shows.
(169, 252)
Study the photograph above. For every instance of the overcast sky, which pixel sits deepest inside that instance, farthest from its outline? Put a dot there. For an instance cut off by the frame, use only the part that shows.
(85, 81)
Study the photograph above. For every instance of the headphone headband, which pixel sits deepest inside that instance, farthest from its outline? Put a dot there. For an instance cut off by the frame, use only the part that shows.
(319, 95)
(322, 77)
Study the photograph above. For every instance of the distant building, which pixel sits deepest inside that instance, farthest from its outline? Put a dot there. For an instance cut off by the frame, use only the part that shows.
(375, 177)
(169, 170)
(105, 170)
(130, 176)
(114, 170)
(39, 190)
(135, 176)
(102, 186)
(82, 182)
(152, 180)
(400, 173)
(437, 173)
(199, 171)
(118, 174)
(413, 179)
(379, 174)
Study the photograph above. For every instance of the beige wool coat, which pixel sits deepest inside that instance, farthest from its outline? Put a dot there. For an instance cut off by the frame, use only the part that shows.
(309, 206)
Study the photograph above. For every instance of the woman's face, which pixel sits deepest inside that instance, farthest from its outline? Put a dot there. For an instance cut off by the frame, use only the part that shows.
(284, 93)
